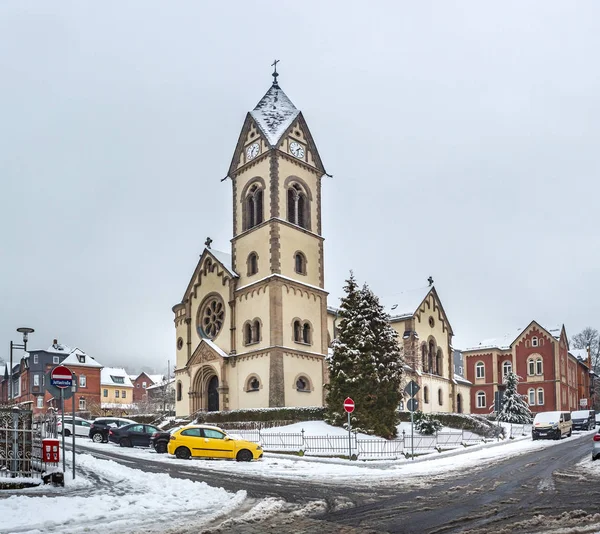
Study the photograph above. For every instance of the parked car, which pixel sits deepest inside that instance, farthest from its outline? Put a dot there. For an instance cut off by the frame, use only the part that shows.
(81, 427)
(211, 442)
(101, 426)
(596, 446)
(597, 418)
(160, 440)
(552, 425)
(584, 420)
(134, 435)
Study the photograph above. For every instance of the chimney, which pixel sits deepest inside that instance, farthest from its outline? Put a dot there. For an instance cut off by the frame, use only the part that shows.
(55, 343)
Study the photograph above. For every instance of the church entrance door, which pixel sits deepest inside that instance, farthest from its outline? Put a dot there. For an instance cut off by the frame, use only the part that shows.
(213, 394)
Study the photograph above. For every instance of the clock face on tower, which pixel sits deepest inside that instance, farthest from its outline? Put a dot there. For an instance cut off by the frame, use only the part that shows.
(297, 150)
(252, 151)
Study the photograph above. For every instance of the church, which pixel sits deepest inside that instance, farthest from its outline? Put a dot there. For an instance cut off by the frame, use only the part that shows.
(253, 327)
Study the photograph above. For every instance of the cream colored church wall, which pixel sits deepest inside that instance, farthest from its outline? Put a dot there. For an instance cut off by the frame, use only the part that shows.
(253, 304)
(332, 323)
(301, 304)
(181, 332)
(435, 384)
(465, 392)
(442, 338)
(259, 169)
(211, 283)
(292, 241)
(295, 366)
(182, 408)
(239, 376)
(287, 169)
(256, 241)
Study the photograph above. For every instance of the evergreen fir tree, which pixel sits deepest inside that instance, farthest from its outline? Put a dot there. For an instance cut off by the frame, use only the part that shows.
(365, 364)
(514, 408)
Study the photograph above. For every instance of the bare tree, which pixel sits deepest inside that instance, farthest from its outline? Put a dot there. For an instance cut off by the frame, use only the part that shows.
(589, 337)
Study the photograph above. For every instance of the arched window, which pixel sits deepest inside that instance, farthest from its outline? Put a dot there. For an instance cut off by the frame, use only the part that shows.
(540, 396)
(426, 395)
(306, 333)
(539, 366)
(506, 369)
(253, 384)
(424, 357)
(297, 331)
(480, 399)
(256, 333)
(298, 208)
(430, 358)
(531, 367)
(459, 407)
(534, 341)
(253, 207)
(252, 263)
(438, 362)
(479, 370)
(440, 397)
(302, 384)
(247, 333)
(531, 395)
(300, 263)
(178, 391)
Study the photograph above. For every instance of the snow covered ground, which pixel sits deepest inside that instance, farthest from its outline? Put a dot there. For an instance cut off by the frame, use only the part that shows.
(107, 496)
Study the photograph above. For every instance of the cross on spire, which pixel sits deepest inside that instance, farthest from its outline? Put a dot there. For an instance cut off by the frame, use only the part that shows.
(274, 65)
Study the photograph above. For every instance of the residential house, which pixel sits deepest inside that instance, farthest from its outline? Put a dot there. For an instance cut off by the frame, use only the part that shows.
(551, 377)
(87, 373)
(117, 390)
(162, 395)
(141, 383)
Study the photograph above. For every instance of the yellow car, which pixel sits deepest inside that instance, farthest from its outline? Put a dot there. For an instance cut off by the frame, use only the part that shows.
(211, 442)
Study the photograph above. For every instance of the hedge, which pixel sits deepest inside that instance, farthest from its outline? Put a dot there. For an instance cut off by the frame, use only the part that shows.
(477, 424)
(310, 413)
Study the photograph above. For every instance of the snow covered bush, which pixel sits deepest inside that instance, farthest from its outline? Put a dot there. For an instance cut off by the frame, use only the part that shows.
(514, 408)
(426, 424)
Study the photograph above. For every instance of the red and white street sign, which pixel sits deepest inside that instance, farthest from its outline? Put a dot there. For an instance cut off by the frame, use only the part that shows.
(61, 377)
(349, 405)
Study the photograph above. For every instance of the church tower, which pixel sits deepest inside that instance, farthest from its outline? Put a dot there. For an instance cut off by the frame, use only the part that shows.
(251, 328)
(277, 252)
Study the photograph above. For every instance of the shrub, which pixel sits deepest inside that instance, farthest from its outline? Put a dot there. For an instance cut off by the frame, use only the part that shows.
(426, 424)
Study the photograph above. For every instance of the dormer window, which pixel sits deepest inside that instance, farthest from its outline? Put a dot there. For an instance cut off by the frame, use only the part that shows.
(117, 379)
(81, 358)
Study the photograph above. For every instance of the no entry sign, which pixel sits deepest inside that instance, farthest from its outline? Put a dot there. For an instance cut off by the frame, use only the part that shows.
(61, 377)
(349, 405)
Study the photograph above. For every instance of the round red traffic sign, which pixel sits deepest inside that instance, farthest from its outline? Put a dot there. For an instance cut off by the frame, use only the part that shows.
(349, 405)
(61, 377)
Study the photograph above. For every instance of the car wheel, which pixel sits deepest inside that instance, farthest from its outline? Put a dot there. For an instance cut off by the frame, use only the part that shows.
(570, 433)
(594, 458)
(160, 447)
(244, 456)
(97, 438)
(67, 432)
(125, 442)
(183, 453)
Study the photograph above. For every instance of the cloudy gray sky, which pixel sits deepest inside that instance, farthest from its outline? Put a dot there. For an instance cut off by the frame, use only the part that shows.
(462, 136)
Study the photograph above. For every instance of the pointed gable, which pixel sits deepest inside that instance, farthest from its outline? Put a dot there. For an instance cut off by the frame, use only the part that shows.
(219, 261)
(274, 114)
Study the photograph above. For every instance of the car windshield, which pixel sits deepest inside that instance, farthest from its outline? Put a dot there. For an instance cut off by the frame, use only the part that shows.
(582, 414)
(174, 429)
(547, 417)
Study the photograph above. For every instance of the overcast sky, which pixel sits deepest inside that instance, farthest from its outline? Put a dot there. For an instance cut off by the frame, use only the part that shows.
(462, 138)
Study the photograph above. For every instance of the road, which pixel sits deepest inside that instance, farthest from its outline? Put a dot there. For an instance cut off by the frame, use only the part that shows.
(541, 491)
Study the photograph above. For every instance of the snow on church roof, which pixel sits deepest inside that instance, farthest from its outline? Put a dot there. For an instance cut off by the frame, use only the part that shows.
(274, 114)
(406, 303)
(224, 259)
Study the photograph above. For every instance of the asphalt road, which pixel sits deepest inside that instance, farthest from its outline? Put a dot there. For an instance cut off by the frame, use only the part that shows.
(541, 491)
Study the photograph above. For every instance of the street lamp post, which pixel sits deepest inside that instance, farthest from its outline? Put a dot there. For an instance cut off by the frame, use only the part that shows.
(23, 346)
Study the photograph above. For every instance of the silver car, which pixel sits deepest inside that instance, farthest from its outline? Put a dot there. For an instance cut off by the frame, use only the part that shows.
(596, 446)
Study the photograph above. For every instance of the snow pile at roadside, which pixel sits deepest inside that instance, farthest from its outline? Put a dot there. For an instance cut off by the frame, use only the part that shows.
(117, 498)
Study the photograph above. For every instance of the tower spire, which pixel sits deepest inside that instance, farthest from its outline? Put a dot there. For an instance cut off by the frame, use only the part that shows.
(274, 65)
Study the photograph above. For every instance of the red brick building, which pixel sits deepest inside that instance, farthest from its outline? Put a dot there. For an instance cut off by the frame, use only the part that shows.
(551, 378)
(141, 383)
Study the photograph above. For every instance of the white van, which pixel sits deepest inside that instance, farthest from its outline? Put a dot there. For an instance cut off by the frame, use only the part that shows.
(552, 425)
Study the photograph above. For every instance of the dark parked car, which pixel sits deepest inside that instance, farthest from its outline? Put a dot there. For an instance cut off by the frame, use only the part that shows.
(101, 426)
(135, 435)
(584, 420)
(159, 440)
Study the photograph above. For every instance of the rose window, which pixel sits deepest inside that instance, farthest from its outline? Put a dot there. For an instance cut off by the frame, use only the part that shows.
(211, 317)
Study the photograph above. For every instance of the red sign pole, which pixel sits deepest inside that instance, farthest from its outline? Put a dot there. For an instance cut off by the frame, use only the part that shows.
(349, 407)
